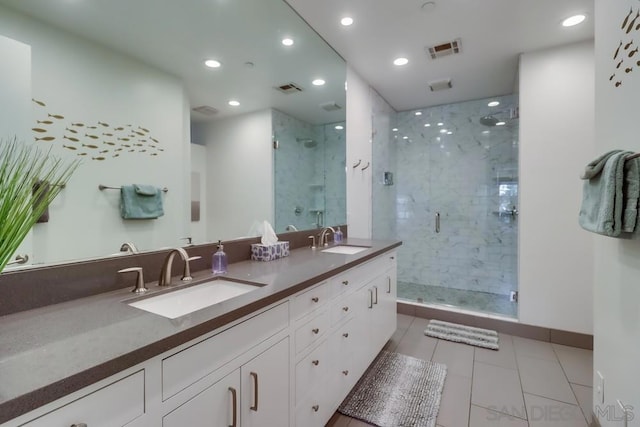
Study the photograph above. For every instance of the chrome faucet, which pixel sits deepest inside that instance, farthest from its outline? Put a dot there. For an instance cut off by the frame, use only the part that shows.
(129, 247)
(323, 236)
(165, 273)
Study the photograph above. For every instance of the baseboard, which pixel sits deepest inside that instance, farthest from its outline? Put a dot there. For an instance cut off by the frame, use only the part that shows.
(506, 326)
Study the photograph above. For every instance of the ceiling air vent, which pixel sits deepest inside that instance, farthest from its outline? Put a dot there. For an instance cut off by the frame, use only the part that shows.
(289, 88)
(441, 84)
(206, 110)
(330, 106)
(444, 49)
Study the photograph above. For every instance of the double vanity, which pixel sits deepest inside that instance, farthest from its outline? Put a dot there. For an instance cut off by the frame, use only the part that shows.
(277, 343)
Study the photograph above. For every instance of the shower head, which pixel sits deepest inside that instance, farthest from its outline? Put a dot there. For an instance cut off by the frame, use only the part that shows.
(308, 142)
(488, 121)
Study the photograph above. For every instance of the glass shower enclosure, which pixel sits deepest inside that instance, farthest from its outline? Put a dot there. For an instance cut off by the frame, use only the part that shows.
(453, 201)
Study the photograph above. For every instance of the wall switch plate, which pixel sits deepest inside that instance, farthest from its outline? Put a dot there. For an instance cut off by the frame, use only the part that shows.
(599, 388)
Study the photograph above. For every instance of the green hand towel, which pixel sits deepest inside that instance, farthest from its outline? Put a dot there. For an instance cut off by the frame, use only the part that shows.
(631, 191)
(602, 195)
(140, 202)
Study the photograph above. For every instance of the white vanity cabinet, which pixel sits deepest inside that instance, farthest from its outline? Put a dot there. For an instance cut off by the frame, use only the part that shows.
(256, 394)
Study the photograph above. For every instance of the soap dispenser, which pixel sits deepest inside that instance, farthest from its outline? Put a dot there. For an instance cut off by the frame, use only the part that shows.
(337, 236)
(219, 261)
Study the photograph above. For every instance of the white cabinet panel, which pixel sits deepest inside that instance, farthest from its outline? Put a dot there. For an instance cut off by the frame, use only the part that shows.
(114, 405)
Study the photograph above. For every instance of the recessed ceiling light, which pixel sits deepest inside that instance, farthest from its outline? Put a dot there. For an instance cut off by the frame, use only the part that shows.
(501, 123)
(493, 103)
(574, 20)
(400, 61)
(339, 127)
(486, 131)
(443, 131)
(212, 63)
(449, 133)
(234, 103)
(395, 129)
(318, 82)
(427, 125)
(287, 42)
(440, 124)
(405, 137)
(346, 21)
(418, 113)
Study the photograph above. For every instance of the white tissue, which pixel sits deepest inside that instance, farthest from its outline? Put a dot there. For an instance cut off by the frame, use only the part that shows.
(268, 235)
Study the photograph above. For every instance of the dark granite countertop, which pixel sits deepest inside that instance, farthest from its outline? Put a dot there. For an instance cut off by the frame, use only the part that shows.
(49, 352)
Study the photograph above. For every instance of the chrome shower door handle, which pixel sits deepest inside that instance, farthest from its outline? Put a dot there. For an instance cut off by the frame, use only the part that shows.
(437, 222)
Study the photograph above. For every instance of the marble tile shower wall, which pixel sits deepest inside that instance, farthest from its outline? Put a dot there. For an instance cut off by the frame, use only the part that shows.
(309, 177)
(468, 176)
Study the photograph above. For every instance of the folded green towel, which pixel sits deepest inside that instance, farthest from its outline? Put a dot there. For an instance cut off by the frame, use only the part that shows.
(140, 202)
(602, 195)
(631, 191)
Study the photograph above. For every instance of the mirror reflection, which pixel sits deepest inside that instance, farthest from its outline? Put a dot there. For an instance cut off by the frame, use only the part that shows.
(106, 83)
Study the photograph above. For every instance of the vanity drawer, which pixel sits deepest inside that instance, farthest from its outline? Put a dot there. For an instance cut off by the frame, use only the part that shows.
(342, 308)
(311, 371)
(310, 299)
(182, 369)
(115, 405)
(311, 331)
(314, 410)
(345, 282)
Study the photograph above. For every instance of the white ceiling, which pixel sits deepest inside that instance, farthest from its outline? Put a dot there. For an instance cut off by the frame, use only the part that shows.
(493, 33)
(177, 36)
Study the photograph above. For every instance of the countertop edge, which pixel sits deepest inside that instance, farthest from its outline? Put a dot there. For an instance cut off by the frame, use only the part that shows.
(35, 399)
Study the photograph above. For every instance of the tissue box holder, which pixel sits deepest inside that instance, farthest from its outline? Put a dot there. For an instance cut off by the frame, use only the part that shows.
(261, 252)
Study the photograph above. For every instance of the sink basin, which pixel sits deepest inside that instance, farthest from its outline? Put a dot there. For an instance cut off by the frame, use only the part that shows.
(184, 301)
(345, 249)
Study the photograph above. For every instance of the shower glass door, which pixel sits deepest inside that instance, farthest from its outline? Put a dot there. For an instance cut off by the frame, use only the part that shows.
(456, 205)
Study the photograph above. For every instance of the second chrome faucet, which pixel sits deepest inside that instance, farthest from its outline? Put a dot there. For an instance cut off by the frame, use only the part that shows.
(165, 272)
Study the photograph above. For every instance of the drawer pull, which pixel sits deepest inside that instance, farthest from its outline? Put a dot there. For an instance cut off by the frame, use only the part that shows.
(345, 282)
(346, 335)
(79, 425)
(315, 299)
(254, 407)
(315, 408)
(315, 331)
(234, 403)
(345, 372)
(315, 362)
(345, 308)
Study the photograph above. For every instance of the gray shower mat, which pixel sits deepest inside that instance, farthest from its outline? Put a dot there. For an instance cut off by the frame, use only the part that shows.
(463, 334)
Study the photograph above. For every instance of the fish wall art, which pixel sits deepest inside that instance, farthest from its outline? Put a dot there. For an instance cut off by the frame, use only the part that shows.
(625, 55)
(96, 141)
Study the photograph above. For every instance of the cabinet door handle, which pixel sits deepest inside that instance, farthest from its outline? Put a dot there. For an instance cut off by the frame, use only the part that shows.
(345, 282)
(315, 408)
(346, 335)
(376, 294)
(389, 284)
(345, 372)
(315, 299)
(254, 407)
(370, 298)
(234, 403)
(315, 362)
(437, 222)
(345, 308)
(315, 331)
(79, 425)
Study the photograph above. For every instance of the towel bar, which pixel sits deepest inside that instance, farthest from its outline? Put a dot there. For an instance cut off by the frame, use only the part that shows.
(104, 187)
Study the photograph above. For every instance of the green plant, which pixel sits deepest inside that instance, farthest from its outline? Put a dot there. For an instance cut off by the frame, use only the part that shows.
(22, 202)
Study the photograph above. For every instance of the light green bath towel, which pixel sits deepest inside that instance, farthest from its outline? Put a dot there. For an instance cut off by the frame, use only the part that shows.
(140, 202)
(603, 205)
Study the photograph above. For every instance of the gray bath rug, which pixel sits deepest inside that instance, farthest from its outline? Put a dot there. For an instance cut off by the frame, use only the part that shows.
(464, 334)
(397, 391)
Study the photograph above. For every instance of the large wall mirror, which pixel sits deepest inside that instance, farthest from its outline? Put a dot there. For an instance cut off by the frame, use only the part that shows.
(123, 86)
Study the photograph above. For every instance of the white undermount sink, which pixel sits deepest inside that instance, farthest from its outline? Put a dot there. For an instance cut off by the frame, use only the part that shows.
(184, 301)
(345, 249)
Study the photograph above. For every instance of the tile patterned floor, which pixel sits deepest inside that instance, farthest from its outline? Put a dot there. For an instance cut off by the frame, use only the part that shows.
(526, 383)
(472, 300)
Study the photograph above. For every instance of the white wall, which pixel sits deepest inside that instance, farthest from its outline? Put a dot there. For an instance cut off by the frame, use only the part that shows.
(199, 167)
(86, 83)
(556, 142)
(617, 266)
(359, 128)
(239, 174)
